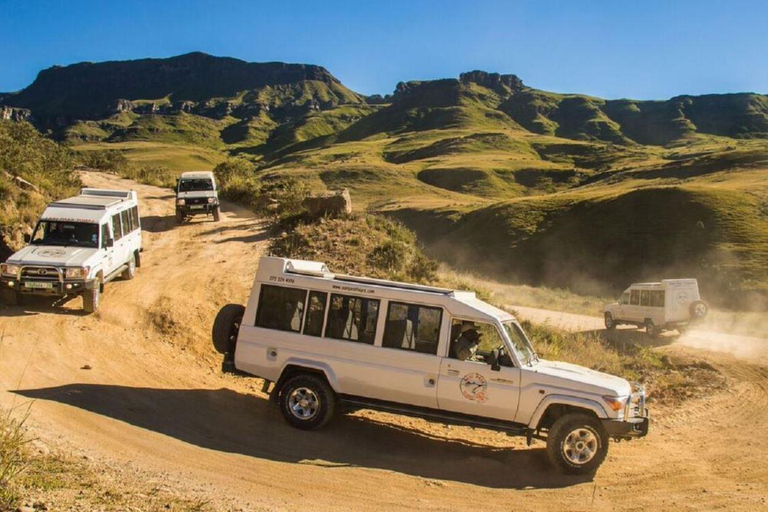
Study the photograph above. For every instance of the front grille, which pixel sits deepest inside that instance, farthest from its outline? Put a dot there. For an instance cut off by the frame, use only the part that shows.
(40, 273)
(196, 200)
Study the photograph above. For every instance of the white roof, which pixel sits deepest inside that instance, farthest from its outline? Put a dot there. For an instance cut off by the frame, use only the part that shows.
(92, 205)
(197, 175)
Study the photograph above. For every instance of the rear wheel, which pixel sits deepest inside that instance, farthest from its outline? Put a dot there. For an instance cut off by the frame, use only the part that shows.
(226, 326)
(216, 213)
(307, 402)
(651, 329)
(130, 271)
(92, 298)
(609, 322)
(577, 444)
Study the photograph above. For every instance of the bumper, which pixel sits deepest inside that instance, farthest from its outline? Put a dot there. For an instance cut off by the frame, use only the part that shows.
(194, 209)
(46, 288)
(628, 429)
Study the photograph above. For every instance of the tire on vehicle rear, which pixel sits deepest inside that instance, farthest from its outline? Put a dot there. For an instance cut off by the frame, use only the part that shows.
(610, 324)
(130, 271)
(216, 213)
(9, 297)
(698, 310)
(307, 401)
(577, 444)
(92, 299)
(226, 326)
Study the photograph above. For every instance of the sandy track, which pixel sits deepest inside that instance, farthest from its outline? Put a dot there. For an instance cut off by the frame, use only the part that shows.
(155, 401)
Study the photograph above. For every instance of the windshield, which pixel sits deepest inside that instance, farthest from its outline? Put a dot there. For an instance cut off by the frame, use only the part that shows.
(82, 234)
(520, 343)
(194, 185)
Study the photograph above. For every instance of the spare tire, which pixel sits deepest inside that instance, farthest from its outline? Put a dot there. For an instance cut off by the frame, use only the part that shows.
(226, 326)
(698, 310)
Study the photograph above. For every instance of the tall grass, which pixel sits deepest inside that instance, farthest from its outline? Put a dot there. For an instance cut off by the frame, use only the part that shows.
(13, 439)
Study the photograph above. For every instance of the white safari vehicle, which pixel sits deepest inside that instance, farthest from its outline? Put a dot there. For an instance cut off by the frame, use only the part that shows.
(670, 304)
(324, 342)
(196, 193)
(78, 244)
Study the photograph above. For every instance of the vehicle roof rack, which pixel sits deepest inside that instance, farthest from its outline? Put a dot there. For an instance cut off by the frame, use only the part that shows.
(392, 284)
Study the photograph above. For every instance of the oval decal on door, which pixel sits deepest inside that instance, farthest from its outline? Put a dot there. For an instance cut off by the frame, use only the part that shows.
(474, 387)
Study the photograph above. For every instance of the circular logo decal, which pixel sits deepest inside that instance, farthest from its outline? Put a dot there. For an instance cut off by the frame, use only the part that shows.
(474, 387)
(51, 253)
(682, 297)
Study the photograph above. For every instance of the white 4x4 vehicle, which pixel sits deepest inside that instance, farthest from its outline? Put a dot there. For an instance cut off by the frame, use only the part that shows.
(670, 304)
(196, 193)
(329, 341)
(78, 244)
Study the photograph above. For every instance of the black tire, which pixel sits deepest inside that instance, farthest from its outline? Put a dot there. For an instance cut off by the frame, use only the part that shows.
(609, 322)
(307, 401)
(226, 325)
(130, 271)
(10, 297)
(651, 329)
(698, 310)
(564, 450)
(92, 299)
(179, 217)
(216, 213)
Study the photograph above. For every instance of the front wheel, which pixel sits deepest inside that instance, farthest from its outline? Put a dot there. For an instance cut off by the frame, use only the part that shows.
(130, 271)
(179, 217)
(226, 327)
(651, 329)
(577, 444)
(10, 297)
(307, 402)
(92, 299)
(216, 213)
(609, 322)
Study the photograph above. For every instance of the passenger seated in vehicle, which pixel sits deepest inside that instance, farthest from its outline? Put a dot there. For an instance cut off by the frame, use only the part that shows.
(465, 345)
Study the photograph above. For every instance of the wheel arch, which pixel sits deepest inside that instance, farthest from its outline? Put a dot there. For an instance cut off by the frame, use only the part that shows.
(555, 406)
(296, 366)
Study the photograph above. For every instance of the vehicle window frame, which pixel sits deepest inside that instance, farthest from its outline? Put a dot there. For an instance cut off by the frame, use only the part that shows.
(355, 297)
(499, 334)
(307, 309)
(117, 229)
(645, 298)
(408, 305)
(621, 299)
(259, 309)
(634, 298)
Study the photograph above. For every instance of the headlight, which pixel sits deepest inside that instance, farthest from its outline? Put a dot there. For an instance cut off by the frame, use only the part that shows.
(179, 202)
(616, 403)
(77, 273)
(211, 199)
(10, 268)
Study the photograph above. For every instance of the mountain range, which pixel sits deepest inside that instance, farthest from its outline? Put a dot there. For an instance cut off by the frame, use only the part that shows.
(542, 187)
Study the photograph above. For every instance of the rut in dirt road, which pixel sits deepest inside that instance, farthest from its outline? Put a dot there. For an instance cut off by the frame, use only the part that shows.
(155, 401)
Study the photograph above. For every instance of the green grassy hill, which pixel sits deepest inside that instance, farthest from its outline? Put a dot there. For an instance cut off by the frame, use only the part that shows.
(558, 189)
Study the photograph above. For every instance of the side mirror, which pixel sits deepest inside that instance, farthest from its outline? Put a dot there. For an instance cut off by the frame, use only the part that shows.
(494, 361)
(495, 366)
(110, 242)
(27, 238)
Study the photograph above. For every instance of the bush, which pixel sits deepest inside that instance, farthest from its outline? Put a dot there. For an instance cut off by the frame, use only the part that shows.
(105, 160)
(13, 438)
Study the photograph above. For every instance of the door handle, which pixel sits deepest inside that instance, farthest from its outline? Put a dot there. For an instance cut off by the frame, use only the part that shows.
(453, 372)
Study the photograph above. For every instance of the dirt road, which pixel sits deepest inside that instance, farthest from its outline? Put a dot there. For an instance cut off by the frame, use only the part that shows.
(154, 403)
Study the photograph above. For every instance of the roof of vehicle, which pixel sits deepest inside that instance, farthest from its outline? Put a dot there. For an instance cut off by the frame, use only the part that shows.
(197, 175)
(461, 303)
(92, 205)
(669, 282)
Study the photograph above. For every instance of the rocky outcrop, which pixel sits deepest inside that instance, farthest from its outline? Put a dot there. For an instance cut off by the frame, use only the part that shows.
(15, 114)
(332, 204)
(494, 81)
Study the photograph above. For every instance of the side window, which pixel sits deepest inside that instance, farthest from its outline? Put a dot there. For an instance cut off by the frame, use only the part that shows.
(313, 325)
(657, 299)
(635, 298)
(280, 308)
(104, 235)
(474, 341)
(116, 227)
(135, 216)
(352, 318)
(126, 218)
(412, 327)
(624, 298)
(645, 298)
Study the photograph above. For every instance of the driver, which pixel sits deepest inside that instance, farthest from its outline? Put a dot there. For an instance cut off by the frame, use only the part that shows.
(465, 346)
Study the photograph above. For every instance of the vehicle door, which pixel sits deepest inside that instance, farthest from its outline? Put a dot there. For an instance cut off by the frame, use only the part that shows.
(623, 307)
(633, 311)
(657, 310)
(120, 247)
(107, 251)
(131, 231)
(478, 385)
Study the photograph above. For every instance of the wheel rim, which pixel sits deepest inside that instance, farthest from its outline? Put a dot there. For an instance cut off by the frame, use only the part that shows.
(580, 446)
(234, 331)
(700, 310)
(608, 321)
(303, 403)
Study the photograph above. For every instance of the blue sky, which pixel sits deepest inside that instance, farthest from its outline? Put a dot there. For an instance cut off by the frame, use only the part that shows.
(613, 48)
